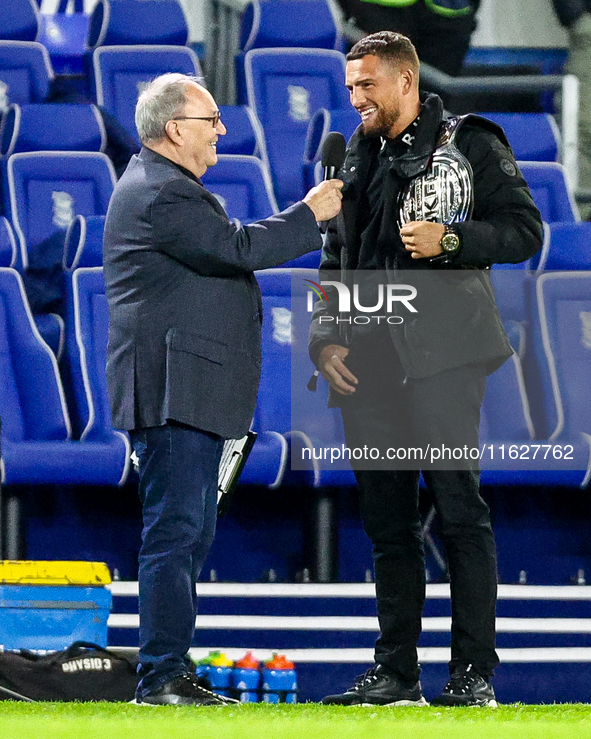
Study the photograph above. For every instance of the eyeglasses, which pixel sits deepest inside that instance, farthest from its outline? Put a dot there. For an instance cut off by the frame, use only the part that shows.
(215, 118)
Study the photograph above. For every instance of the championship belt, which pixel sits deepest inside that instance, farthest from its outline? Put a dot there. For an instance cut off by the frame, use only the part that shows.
(444, 193)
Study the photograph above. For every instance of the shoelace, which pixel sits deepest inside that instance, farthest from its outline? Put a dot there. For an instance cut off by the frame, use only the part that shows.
(460, 682)
(194, 680)
(367, 678)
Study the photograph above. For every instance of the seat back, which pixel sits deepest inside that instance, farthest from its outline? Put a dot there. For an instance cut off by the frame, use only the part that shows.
(48, 189)
(243, 187)
(83, 246)
(87, 345)
(19, 20)
(534, 137)
(273, 23)
(285, 87)
(564, 314)
(61, 127)
(244, 134)
(25, 73)
(505, 410)
(32, 402)
(321, 124)
(273, 410)
(115, 22)
(121, 71)
(550, 191)
(64, 35)
(8, 245)
(510, 283)
(566, 246)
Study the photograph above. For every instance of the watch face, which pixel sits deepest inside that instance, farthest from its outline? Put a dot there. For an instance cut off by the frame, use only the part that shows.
(450, 242)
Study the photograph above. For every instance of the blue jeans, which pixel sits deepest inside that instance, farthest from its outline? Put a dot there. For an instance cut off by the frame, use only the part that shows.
(178, 470)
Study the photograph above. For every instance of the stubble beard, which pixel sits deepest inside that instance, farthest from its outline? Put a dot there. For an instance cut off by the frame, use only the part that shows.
(383, 124)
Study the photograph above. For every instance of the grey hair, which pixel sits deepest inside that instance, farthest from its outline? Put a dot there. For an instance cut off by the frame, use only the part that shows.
(160, 101)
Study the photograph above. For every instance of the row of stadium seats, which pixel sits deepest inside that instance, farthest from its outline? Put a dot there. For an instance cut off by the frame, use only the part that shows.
(46, 440)
(242, 184)
(284, 87)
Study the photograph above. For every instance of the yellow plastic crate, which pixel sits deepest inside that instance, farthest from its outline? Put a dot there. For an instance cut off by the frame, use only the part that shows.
(54, 573)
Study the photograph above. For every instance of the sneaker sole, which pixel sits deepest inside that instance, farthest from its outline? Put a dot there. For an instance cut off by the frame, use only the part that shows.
(419, 704)
(481, 704)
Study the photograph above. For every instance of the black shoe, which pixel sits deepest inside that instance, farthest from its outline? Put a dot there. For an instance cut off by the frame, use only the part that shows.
(466, 688)
(184, 690)
(378, 687)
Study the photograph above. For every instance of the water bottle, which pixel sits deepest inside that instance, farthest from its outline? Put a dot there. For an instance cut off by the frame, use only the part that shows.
(202, 667)
(220, 674)
(246, 679)
(279, 681)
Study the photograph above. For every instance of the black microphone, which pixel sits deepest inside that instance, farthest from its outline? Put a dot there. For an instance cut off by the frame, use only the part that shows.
(333, 156)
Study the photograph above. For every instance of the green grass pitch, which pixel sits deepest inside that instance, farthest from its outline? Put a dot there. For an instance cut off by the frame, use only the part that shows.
(121, 721)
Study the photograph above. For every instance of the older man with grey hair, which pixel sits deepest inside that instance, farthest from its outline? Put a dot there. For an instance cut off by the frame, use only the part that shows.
(184, 350)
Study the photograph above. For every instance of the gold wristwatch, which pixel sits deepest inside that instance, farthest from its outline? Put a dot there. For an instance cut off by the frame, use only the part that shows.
(450, 241)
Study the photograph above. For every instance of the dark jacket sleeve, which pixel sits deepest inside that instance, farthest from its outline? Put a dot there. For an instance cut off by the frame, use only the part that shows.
(506, 226)
(187, 226)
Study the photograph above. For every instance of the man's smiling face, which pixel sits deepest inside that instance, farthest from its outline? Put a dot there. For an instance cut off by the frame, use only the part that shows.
(376, 90)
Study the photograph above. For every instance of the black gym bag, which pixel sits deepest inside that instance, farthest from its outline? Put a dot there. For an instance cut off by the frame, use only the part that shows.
(83, 672)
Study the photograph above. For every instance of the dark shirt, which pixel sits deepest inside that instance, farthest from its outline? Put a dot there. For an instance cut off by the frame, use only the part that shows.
(371, 207)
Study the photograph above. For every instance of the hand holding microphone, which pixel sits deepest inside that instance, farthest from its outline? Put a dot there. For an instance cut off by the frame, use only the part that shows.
(325, 198)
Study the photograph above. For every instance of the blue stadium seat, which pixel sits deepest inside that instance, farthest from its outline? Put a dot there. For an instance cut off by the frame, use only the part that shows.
(115, 22)
(269, 457)
(120, 72)
(244, 134)
(47, 190)
(25, 73)
(243, 187)
(268, 24)
(321, 124)
(566, 246)
(511, 283)
(36, 432)
(285, 87)
(19, 20)
(274, 23)
(305, 417)
(64, 35)
(550, 191)
(83, 245)
(562, 346)
(8, 245)
(534, 137)
(506, 417)
(285, 361)
(87, 330)
(52, 127)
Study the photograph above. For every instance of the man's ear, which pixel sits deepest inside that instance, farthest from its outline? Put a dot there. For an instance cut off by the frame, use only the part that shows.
(172, 131)
(408, 80)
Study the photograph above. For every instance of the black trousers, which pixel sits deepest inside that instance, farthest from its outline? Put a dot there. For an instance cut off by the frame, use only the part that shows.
(392, 411)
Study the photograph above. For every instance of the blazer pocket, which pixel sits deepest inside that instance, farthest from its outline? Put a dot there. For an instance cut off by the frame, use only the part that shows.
(201, 346)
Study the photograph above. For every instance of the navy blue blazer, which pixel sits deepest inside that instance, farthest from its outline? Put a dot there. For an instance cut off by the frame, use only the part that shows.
(185, 307)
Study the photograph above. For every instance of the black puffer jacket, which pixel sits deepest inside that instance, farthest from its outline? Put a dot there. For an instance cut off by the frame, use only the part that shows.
(459, 323)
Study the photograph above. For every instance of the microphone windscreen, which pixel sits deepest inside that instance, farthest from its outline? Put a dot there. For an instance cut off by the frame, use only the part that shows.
(333, 150)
